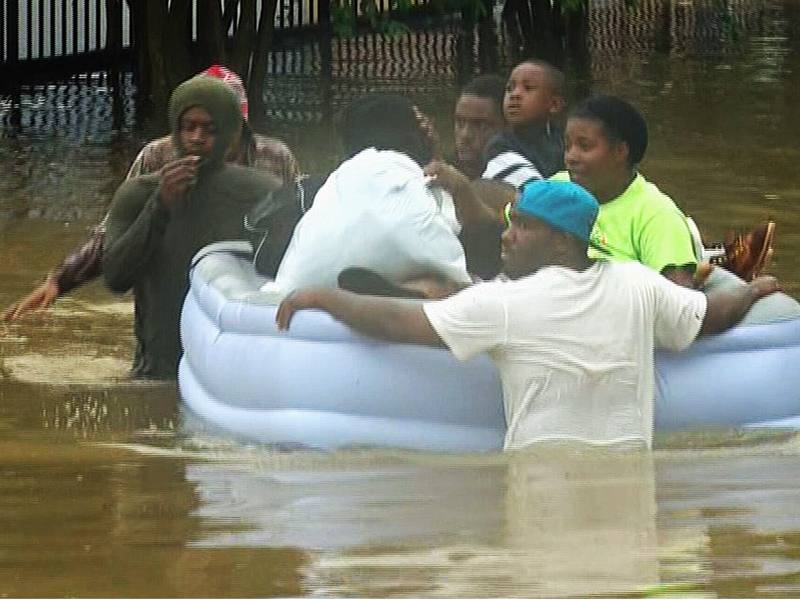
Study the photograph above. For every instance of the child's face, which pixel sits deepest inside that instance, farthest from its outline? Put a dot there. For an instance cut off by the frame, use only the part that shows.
(529, 96)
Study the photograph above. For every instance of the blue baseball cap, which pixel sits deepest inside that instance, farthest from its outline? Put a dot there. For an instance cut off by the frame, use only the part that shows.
(561, 204)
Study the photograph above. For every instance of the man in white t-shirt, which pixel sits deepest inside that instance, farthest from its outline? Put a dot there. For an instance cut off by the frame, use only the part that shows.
(572, 338)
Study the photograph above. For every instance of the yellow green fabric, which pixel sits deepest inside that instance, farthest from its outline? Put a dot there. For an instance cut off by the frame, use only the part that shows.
(642, 224)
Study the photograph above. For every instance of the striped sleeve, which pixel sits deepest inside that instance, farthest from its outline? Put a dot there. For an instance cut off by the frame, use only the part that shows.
(512, 168)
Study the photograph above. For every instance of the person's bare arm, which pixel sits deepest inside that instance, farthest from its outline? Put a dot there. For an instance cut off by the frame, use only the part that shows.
(683, 276)
(495, 195)
(468, 196)
(727, 307)
(391, 319)
(42, 297)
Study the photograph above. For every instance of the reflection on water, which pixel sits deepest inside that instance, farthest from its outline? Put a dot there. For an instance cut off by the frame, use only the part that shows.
(574, 522)
(108, 489)
(91, 521)
(551, 522)
(343, 506)
(736, 501)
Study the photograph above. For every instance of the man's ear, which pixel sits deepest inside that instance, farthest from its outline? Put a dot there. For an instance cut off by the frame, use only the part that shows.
(556, 106)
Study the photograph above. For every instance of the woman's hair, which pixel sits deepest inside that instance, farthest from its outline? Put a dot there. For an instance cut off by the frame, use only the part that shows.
(620, 120)
(384, 121)
(490, 87)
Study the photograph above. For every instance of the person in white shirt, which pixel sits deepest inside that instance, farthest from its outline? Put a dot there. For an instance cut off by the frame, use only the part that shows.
(375, 212)
(572, 338)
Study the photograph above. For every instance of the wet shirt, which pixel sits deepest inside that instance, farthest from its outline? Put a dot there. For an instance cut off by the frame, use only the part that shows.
(150, 248)
(642, 224)
(574, 349)
(376, 212)
(84, 264)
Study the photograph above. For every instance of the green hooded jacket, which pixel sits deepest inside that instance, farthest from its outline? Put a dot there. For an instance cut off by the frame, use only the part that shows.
(149, 247)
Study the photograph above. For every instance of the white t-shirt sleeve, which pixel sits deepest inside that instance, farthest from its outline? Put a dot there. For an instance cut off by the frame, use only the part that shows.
(472, 321)
(679, 314)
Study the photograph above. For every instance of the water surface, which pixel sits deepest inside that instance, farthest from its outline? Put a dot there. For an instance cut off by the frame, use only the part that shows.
(108, 489)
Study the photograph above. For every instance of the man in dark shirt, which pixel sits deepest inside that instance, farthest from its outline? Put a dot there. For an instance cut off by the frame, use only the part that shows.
(85, 263)
(158, 222)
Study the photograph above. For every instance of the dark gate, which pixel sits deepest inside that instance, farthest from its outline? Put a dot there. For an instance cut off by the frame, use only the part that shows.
(45, 39)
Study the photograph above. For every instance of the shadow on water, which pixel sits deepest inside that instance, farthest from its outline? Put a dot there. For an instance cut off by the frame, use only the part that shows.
(108, 489)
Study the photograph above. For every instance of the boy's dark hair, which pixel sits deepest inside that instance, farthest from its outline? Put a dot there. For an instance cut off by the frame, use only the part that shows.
(383, 121)
(557, 80)
(620, 120)
(489, 86)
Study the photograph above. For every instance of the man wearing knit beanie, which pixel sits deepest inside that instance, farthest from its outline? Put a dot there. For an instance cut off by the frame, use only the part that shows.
(158, 222)
(85, 263)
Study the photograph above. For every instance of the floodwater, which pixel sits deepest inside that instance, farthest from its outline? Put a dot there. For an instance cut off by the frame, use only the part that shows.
(107, 489)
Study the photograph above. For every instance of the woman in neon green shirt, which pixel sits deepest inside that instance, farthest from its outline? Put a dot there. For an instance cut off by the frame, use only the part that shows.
(606, 138)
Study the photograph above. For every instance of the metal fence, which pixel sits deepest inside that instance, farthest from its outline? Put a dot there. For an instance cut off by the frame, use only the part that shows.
(74, 35)
(40, 29)
(309, 82)
(309, 78)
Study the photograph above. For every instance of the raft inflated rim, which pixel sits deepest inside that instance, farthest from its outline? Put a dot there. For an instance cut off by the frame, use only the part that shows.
(321, 385)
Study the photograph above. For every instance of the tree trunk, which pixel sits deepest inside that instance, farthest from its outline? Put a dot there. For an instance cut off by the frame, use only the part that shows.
(488, 50)
(113, 31)
(537, 28)
(151, 70)
(544, 41)
(518, 19)
(161, 45)
(578, 48)
(178, 34)
(113, 54)
(258, 70)
(465, 42)
(141, 69)
(244, 38)
(210, 35)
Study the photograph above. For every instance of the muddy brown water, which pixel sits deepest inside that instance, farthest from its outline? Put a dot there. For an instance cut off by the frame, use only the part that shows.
(107, 489)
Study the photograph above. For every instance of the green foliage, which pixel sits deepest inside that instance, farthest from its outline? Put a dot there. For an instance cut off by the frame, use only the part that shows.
(578, 5)
(474, 9)
(730, 28)
(346, 14)
(343, 18)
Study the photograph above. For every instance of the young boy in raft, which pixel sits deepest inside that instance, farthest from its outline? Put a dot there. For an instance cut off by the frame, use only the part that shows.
(530, 147)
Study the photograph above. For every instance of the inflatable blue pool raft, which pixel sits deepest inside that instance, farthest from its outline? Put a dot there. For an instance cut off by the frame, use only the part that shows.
(322, 386)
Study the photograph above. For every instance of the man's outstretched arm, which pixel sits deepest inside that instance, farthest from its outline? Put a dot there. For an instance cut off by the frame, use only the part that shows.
(391, 319)
(468, 196)
(81, 266)
(727, 307)
(84, 264)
